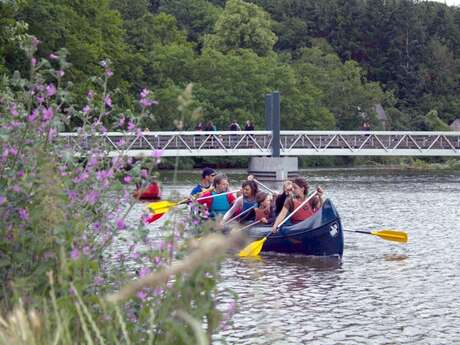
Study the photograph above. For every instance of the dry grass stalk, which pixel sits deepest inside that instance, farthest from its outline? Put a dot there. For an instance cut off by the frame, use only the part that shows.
(209, 248)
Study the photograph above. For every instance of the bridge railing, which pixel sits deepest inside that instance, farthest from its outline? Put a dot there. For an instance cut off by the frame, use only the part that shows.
(258, 143)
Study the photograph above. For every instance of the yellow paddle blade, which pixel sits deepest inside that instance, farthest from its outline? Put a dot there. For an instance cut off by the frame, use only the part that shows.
(391, 235)
(253, 248)
(161, 206)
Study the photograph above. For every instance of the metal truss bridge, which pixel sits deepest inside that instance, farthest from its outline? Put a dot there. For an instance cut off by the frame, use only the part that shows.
(259, 143)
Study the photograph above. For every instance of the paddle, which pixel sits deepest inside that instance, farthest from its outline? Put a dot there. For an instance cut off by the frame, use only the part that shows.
(254, 248)
(264, 186)
(159, 208)
(240, 214)
(389, 235)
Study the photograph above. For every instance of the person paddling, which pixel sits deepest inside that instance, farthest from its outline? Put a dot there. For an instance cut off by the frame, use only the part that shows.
(300, 191)
(218, 204)
(245, 202)
(207, 177)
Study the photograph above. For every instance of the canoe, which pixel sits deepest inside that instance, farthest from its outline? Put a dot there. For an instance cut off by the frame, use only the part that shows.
(319, 235)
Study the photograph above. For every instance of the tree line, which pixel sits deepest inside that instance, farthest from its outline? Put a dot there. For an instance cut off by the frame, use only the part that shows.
(333, 60)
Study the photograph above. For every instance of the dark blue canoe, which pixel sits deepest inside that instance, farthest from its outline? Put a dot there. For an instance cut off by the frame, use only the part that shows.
(319, 235)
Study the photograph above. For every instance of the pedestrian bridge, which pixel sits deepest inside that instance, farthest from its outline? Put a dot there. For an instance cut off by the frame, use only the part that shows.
(259, 143)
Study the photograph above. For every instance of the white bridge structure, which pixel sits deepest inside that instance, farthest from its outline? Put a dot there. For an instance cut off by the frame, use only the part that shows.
(259, 143)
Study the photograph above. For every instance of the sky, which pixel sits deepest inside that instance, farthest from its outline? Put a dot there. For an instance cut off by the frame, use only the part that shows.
(450, 2)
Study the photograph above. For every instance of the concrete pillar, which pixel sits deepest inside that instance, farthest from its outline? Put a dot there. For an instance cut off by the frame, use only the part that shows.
(273, 168)
(268, 112)
(276, 124)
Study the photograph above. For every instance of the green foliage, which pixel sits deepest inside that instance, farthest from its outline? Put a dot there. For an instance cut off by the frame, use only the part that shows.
(242, 26)
(343, 88)
(434, 123)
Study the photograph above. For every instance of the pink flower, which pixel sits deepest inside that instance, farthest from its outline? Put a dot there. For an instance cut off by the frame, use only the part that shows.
(13, 110)
(33, 116)
(40, 99)
(120, 223)
(60, 73)
(2, 199)
(35, 41)
(108, 101)
(90, 95)
(33, 61)
(98, 280)
(141, 295)
(52, 134)
(145, 93)
(145, 102)
(75, 254)
(127, 179)
(86, 109)
(51, 90)
(72, 195)
(144, 173)
(53, 56)
(91, 198)
(122, 120)
(86, 250)
(131, 126)
(104, 63)
(157, 153)
(108, 72)
(23, 214)
(47, 113)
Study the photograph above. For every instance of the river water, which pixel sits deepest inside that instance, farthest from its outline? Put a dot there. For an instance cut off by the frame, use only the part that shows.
(381, 293)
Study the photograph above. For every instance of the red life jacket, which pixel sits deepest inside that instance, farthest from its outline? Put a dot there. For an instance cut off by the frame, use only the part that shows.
(306, 211)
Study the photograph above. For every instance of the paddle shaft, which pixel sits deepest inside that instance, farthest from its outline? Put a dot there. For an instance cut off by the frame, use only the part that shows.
(249, 225)
(240, 214)
(214, 195)
(298, 208)
(264, 186)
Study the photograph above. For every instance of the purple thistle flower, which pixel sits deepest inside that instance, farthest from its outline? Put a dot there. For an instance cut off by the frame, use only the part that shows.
(127, 179)
(53, 56)
(97, 227)
(144, 173)
(40, 99)
(20, 173)
(75, 254)
(33, 61)
(108, 72)
(90, 95)
(104, 63)
(47, 113)
(120, 223)
(86, 109)
(108, 101)
(13, 151)
(16, 189)
(51, 90)
(2, 199)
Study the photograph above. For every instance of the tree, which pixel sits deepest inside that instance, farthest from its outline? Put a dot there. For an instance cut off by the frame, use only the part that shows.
(344, 89)
(242, 26)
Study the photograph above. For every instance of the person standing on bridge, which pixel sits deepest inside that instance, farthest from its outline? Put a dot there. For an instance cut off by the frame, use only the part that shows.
(249, 126)
(207, 177)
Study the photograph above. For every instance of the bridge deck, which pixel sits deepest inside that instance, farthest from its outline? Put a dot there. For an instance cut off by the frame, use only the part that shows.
(258, 143)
